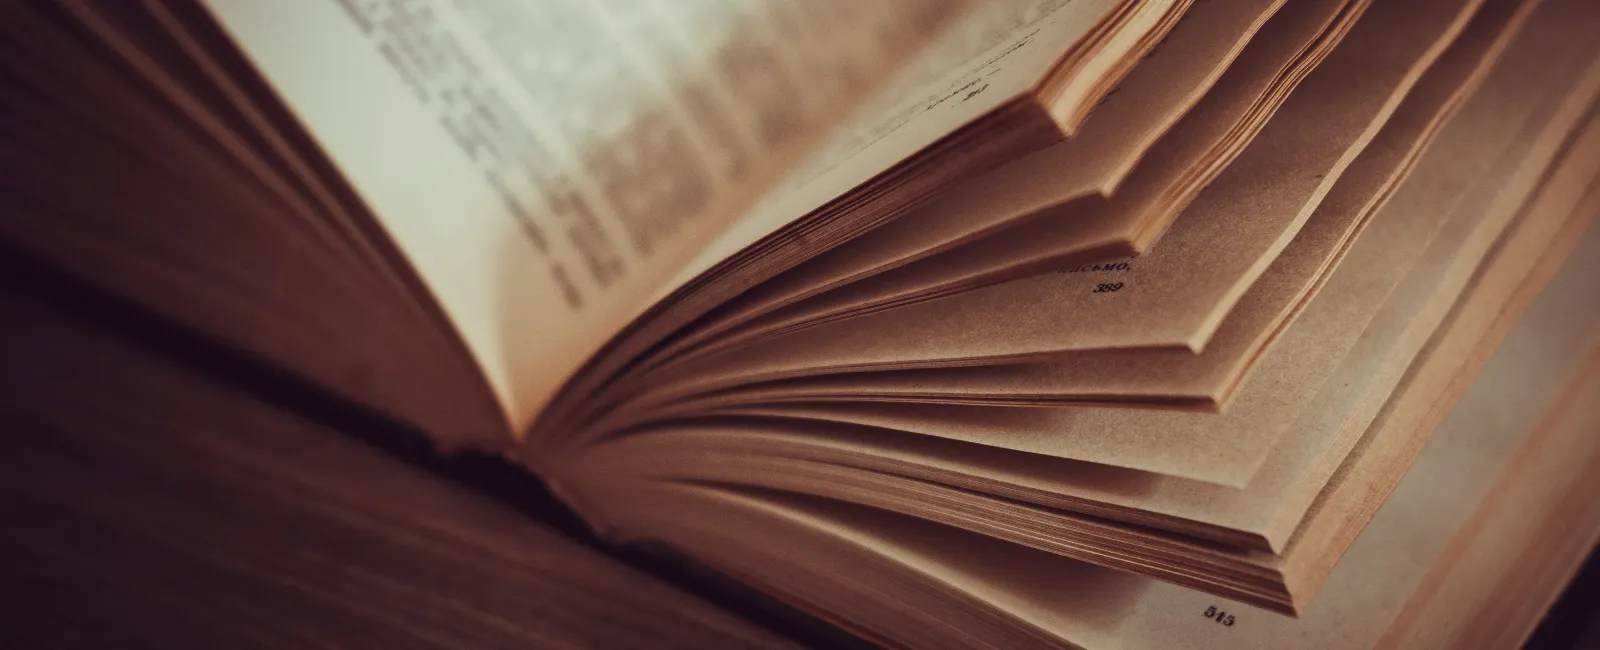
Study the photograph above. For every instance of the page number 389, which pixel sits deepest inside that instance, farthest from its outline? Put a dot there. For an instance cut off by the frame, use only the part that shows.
(1219, 616)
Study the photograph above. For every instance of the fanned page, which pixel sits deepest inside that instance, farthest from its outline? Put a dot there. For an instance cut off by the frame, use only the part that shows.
(1148, 103)
(1023, 77)
(1003, 51)
(908, 477)
(1218, 127)
(1445, 261)
(1314, 424)
(1549, 361)
(961, 581)
(502, 144)
(1176, 376)
(1016, 324)
(1179, 293)
(776, 456)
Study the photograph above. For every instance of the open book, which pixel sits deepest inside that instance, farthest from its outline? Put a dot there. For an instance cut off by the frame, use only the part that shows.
(1090, 323)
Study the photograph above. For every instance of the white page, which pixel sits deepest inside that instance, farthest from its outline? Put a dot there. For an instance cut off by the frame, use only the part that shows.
(547, 166)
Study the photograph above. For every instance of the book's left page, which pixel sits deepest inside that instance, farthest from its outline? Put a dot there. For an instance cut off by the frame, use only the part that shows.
(548, 167)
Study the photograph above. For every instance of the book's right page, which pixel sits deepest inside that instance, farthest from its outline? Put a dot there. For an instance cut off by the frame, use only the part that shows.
(985, 589)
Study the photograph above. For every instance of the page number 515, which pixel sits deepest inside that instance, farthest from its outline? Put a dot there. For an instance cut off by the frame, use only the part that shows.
(1219, 616)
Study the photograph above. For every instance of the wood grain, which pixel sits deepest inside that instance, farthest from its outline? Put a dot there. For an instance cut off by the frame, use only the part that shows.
(147, 505)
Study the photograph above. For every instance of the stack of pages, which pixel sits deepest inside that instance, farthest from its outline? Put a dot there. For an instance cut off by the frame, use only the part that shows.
(1035, 323)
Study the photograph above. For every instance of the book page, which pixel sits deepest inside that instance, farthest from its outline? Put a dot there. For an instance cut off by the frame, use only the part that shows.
(1001, 50)
(1149, 101)
(1175, 297)
(1493, 305)
(890, 157)
(1487, 434)
(547, 166)
(1261, 314)
(1092, 607)
(951, 244)
(916, 255)
(1489, 165)
(1484, 438)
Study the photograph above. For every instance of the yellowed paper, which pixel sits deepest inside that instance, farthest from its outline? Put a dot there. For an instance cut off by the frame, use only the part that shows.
(971, 209)
(1173, 298)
